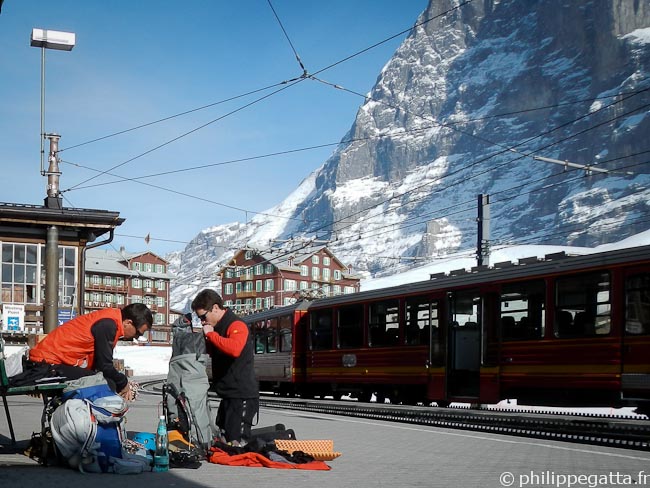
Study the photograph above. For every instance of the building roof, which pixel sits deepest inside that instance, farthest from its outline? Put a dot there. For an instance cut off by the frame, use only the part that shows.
(289, 262)
(83, 223)
(116, 262)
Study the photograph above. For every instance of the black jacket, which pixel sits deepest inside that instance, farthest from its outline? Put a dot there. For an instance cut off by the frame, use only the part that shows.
(233, 377)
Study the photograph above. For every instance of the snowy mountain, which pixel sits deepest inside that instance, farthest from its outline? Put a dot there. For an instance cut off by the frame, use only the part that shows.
(466, 103)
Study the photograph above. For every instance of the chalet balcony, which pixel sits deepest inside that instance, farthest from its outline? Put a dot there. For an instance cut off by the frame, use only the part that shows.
(246, 294)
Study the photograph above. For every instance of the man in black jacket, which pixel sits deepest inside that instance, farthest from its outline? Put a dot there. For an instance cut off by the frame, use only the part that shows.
(230, 346)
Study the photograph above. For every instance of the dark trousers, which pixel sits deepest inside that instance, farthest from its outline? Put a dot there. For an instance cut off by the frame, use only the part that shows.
(235, 417)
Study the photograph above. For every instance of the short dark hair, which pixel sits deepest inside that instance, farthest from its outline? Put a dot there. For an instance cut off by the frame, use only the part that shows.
(206, 299)
(139, 314)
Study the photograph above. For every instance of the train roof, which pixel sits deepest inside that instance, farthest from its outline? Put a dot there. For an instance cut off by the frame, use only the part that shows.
(524, 269)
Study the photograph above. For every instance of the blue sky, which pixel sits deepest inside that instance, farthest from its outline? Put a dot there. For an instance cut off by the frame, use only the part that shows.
(138, 62)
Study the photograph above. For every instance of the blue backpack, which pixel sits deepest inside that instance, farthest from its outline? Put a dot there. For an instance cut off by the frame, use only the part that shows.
(88, 428)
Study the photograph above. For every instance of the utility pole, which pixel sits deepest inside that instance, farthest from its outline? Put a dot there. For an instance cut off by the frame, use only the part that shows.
(53, 201)
(483, 237)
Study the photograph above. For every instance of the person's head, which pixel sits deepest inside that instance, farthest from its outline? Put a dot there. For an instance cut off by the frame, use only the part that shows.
(208, 306)
(136, 319)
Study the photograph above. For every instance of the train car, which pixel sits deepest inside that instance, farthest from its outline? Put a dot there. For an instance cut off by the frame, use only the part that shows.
(565, 330)
(279, 347)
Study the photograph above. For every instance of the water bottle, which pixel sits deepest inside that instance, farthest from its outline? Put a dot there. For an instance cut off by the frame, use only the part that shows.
(161, 454)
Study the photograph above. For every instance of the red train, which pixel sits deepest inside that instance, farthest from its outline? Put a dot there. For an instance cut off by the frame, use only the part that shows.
(566, 330)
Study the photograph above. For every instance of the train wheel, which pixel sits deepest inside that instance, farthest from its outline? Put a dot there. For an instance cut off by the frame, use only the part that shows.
(380, 397)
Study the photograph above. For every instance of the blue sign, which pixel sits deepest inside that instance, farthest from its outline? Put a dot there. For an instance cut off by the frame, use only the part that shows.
(65, 314)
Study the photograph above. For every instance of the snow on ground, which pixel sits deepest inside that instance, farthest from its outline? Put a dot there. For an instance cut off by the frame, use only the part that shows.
(145, 360)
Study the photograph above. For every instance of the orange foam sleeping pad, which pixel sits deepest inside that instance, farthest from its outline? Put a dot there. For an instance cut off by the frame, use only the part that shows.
(321, 450)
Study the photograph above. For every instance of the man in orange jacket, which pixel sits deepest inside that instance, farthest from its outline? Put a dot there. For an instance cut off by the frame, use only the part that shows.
(84, 345)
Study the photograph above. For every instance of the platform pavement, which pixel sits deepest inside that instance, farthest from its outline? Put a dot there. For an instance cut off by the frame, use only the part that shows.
(375, 453)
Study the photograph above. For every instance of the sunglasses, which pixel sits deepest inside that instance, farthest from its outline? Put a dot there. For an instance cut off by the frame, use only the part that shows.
(202, 317)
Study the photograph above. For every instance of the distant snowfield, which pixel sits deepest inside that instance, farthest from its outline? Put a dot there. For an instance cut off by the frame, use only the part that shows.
(145, 360)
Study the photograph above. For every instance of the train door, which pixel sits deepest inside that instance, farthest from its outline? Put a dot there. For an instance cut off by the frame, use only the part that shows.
(636, 337)
(464, 344)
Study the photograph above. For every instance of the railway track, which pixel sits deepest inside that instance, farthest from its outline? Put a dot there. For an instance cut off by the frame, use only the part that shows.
(627, 433)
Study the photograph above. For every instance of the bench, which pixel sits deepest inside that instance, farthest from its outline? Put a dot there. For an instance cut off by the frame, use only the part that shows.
(45, 391)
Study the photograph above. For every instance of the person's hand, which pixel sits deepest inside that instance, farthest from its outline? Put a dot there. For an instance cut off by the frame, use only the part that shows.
(128, 392)
(208, 328)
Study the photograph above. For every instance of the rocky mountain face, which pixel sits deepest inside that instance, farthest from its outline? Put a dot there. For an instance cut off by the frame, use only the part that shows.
(464, 106)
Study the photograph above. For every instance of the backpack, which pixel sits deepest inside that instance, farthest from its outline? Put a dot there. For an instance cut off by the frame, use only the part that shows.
(88, 428)
(185, 394)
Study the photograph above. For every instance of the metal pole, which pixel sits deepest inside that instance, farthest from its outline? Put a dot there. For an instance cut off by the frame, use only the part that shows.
(42, 110)
(50, 308)
(483, 237)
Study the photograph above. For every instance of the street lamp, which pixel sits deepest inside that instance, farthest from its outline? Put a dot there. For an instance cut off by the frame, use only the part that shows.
(49, 39)
(61, 41)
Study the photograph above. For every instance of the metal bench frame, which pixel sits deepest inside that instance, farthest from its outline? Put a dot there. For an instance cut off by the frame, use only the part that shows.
(45, 391)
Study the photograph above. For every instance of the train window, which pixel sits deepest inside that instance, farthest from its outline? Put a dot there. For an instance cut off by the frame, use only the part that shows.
(272, 335)
(421, 320)
(349, 330)
(383, 323)
(522, 311)
(260, 337)
(285, 333)
(637, 305)
(582, 305)
(320, 332)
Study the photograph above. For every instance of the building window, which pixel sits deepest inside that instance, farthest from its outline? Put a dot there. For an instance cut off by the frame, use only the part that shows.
(269, 269)
(228, 289)
(119, 281)
(304, 285)
(228, 273)
(348, 289)
(159, 318)
(120, 299)
(160, 301)
(289, 285)
(258, 303)
(337, 274)
(238, 287)
(160, 268)
(249, 273)
(136, 299)
(326, 261)
(148, 285)
(336, 290)
(136, 283)
(268, 285)
(258, 285)
(148, 267)
(315, 273)
(108, 297)
(160, 284)
(269, 302)
(326, 274)
(248, 286)
(67, 270)
(304, 270)
(248, 255)
(314, 259)
(136, 266)
(259, 269)
(96, 279)
(326, 290)
(107, 281)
